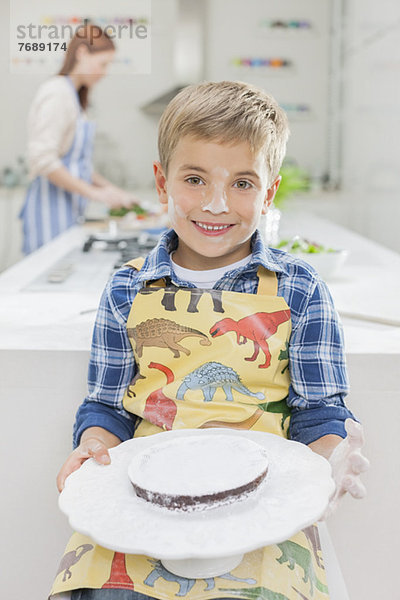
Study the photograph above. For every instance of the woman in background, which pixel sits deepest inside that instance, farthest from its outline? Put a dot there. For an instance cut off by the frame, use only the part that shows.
(60, 144)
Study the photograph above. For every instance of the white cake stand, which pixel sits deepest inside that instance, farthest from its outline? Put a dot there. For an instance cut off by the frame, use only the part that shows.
(101, 503)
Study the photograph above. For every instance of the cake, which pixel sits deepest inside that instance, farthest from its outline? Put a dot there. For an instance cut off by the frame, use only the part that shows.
(193, 472)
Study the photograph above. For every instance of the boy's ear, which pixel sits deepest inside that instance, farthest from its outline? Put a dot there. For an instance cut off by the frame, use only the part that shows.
(270, 195)
(161, 182)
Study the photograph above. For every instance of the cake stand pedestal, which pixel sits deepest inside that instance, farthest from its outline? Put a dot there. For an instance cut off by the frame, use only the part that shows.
(202, 568)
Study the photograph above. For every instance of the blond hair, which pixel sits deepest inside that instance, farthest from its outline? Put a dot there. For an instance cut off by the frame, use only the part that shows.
(227, 112)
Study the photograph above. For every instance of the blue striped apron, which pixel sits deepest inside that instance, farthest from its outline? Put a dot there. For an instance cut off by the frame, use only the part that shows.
(49, 210)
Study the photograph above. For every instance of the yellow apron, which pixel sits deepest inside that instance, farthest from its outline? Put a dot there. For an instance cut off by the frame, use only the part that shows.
(206, 358)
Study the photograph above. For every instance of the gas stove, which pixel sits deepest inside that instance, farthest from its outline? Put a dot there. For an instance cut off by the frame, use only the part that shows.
(90, 266)
(127, 246)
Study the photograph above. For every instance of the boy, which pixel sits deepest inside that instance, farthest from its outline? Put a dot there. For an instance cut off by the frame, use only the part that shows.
(243, 307)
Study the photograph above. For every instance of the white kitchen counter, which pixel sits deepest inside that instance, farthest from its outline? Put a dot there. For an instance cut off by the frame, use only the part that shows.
(369, 284)
(53, 320)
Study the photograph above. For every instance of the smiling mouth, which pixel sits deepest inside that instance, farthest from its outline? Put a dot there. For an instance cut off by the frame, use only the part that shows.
(213, 226)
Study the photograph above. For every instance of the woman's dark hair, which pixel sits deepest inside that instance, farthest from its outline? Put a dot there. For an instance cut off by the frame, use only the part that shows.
(95, 40)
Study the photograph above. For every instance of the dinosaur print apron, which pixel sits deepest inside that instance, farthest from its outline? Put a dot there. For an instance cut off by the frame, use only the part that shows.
(207, 358)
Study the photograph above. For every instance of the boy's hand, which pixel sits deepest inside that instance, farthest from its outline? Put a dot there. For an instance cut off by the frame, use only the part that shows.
(95, 443)
(348, 463)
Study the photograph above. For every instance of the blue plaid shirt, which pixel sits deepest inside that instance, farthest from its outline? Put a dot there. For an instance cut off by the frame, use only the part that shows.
(316, 354)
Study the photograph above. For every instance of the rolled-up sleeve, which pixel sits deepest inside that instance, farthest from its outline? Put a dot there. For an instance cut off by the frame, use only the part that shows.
(112, 365)
(318, 372)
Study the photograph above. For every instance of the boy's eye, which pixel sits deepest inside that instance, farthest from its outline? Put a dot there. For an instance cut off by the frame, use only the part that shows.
(194, 180)
(243, 184)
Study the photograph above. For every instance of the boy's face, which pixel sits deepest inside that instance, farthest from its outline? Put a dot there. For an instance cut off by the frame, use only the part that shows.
(216, 194)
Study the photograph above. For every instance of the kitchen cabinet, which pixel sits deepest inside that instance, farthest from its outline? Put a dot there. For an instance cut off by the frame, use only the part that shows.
(45, 338)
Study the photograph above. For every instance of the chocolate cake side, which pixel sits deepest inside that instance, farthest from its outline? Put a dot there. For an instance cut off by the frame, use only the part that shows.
(186, 502)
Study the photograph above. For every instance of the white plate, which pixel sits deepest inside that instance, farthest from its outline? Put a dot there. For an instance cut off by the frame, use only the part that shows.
(101, 503)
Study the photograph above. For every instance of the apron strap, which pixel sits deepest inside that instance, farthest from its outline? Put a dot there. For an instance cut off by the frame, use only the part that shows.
(137, 264)
(267, 282)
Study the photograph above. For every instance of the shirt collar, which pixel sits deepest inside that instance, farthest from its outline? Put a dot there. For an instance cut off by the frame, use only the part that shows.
(264, 256)
(158, 263)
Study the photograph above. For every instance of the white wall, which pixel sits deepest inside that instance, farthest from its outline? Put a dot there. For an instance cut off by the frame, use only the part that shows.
(241, 32)
(371, 117)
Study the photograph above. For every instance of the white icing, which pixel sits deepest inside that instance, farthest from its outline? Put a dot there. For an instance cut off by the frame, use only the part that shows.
(195, 467)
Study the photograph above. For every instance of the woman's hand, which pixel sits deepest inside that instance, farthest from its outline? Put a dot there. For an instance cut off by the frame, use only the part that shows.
(113, 196)
(101, 190)
(95, 443)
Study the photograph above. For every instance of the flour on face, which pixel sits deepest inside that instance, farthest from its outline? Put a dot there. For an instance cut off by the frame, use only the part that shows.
(174, 210)
(216, 201)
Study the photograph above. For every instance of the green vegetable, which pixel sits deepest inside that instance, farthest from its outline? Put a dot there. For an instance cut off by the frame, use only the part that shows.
(122, 211)
(300, 245)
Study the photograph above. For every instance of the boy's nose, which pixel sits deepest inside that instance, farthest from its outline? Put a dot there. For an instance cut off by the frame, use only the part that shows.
(216, 203)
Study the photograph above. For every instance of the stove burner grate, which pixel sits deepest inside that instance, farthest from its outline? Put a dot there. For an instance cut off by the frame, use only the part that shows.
(129, 247)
